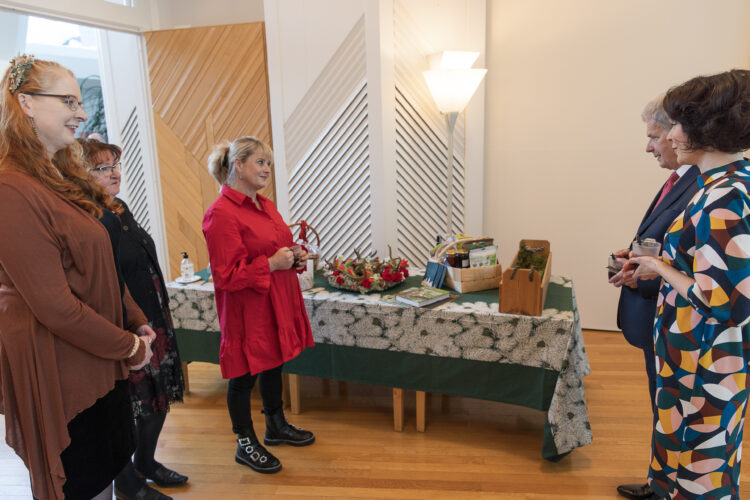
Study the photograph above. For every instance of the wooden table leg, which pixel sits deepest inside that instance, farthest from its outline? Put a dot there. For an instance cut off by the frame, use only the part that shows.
(185, 376)
(398, 409)
(421, 410)
(294, 393)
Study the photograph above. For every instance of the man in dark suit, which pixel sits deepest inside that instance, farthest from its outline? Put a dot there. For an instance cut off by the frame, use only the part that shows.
(637, 307)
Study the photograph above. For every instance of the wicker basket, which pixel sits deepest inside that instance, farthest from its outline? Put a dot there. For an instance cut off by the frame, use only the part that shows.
(313, 256)
(470, 279)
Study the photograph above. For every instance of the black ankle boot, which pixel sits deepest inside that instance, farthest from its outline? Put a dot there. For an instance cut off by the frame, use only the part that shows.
(251, 453)
(279, 431)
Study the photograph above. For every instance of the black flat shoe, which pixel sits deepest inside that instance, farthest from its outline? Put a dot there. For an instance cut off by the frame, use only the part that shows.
(145, 493)
(165, 478)
(637, 491)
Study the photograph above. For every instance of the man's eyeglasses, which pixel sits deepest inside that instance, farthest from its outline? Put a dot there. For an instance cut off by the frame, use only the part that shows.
(105, 169)
(69, 100)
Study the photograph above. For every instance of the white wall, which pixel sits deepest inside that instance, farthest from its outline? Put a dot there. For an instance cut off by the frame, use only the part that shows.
(310, 34)
(171, 14)
(564, 152)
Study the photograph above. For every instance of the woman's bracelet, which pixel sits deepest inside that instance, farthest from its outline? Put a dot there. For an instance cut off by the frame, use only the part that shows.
(136, 345)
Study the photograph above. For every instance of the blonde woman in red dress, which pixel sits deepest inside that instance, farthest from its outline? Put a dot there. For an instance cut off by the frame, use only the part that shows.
(258, 299)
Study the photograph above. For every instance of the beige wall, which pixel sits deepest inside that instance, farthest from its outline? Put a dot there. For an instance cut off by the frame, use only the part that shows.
(564, 154)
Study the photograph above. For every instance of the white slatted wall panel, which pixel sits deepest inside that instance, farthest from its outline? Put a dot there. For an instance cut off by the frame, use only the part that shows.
(421, 148)
(329, 161)
(133, 171)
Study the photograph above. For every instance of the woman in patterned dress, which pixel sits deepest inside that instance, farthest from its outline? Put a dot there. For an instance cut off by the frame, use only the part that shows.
(161, 382)
(702, 335)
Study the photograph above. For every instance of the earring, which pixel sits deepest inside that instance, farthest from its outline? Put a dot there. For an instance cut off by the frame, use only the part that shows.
(240, 173)
(33, 127)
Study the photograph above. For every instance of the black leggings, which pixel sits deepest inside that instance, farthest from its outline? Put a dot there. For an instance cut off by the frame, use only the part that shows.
(238, 397)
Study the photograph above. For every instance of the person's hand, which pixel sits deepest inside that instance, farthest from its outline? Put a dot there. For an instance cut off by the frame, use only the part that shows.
(624, 277)
(645, 268)
(301, 259)
(620, 260)
(623, 253)
(147, 333)
(282, 259)
(146, 358)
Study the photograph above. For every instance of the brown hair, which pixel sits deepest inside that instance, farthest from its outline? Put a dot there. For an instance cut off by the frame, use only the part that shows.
(93, 148)
(714, 111)
(20, 144)
(221, 160)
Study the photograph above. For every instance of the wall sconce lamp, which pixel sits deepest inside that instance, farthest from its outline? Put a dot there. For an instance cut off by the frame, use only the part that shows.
(452, 82)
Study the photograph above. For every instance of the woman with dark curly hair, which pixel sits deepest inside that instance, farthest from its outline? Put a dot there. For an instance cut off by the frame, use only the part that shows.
(159, 383)
(702, 328)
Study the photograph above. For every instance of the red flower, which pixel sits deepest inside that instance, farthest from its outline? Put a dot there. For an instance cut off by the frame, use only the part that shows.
(398, 276)
(339, 280)
(387, 274)
(406, 272)
(367, 282)
(336, 273)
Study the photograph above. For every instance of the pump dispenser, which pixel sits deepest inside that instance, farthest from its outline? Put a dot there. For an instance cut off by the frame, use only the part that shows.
(186, 267)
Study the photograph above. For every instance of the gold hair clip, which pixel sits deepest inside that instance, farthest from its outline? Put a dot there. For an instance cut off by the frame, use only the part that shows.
(19, 66)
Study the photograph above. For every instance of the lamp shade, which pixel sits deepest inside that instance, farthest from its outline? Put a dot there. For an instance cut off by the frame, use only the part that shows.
(453, 88)
(452, 59)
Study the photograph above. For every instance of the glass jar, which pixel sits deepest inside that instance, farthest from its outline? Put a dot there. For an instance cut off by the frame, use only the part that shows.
(451, 259)
(462, 258)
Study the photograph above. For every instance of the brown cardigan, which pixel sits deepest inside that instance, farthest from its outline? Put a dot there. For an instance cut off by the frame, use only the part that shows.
(62, 343)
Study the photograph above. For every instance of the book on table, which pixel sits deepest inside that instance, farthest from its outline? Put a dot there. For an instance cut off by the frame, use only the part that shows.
(420, 296)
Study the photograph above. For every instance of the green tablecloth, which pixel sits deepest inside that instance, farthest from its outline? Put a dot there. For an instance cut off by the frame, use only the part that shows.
(464, 347)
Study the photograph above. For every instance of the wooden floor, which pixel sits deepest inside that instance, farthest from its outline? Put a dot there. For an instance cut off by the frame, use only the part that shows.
(472, 449)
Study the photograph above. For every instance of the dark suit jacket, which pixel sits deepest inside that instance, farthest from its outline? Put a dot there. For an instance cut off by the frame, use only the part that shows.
(637, 307)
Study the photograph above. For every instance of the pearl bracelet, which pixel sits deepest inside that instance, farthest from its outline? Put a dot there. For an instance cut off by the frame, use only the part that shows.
(136, 345)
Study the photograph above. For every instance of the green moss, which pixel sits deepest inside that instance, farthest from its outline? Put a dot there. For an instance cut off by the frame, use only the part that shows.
(528, 258)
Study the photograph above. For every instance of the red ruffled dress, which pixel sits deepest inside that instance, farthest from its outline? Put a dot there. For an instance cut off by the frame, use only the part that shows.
(261, 313)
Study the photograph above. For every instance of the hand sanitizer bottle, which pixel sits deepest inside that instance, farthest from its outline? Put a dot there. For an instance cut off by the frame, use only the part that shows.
(186, 267)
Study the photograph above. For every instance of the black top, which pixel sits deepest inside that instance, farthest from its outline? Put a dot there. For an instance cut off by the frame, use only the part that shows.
(138, 264)
(114, 228)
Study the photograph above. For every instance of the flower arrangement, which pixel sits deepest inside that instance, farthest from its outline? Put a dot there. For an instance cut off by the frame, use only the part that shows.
(366, 275)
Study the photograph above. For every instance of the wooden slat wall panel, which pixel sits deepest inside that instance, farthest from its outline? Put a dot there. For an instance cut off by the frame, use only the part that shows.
(421, 147)
(207, 85)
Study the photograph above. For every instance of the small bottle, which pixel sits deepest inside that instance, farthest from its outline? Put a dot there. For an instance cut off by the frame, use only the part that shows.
(186, 267)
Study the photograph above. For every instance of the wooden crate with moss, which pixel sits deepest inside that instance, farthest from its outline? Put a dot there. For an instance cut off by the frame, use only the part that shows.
(523, 287)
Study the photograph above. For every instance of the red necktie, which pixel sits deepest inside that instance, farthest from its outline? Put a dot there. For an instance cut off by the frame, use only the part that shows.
(670, 182)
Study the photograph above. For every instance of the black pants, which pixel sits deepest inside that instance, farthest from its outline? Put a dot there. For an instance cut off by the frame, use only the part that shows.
(238, 397)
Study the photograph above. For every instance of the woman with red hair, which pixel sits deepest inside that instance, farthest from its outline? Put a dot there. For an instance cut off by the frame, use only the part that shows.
(69, 330)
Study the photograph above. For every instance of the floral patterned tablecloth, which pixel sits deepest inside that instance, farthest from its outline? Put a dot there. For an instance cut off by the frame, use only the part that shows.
(469, 348)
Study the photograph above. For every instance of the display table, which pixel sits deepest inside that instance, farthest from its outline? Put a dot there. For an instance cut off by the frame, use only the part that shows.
(464, 347)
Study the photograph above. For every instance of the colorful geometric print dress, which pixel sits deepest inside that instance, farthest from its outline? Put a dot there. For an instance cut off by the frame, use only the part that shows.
(703, 344)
